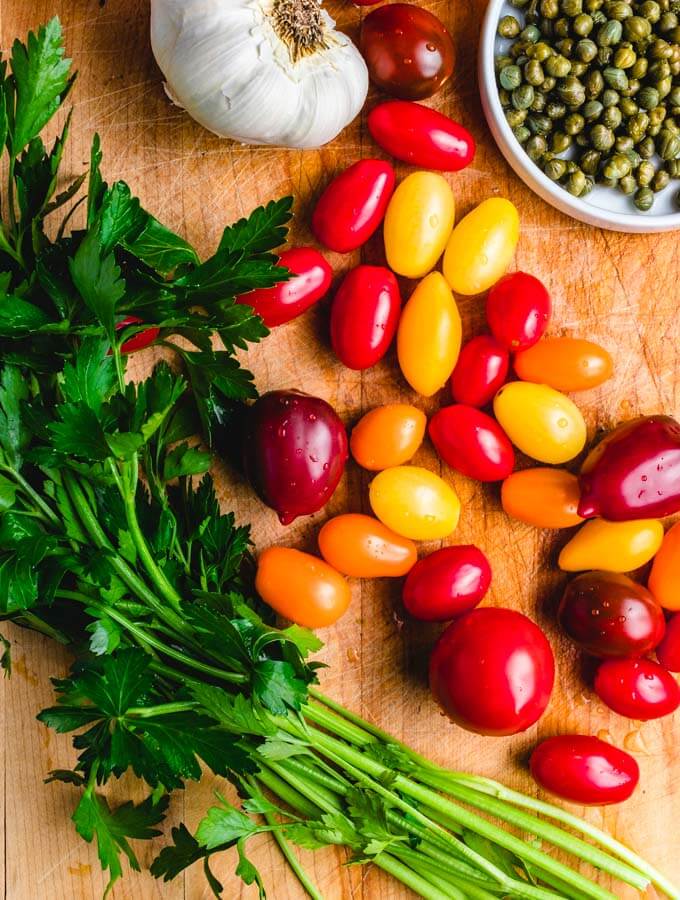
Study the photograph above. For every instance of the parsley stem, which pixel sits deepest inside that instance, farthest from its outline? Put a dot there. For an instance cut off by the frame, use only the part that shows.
(162, 709)
(289, 795)
(411, 879)
(38, 624)
(33, 494)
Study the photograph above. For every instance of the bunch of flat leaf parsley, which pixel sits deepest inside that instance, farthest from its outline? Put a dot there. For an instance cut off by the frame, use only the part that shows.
(112, 542)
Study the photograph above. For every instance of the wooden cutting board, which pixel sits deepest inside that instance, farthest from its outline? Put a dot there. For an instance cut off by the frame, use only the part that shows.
(623, 291)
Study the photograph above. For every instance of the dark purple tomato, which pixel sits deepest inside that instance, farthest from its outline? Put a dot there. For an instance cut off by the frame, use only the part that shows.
(480, 372)
(294, 452)
(408, 51)
(637, 688)
(668, 651)
(446, 583)
(585, 770)
(634, 472)
(364, 316)
(518, 310)
(492, 671)
(611, 615)
(472, 442)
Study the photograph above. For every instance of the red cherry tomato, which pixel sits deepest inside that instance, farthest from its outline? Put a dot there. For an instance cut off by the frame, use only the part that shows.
(584, 770)
(446, 583)
(353, 205)
(408, 51)
(518, 310)
(421, 136)
(492, 671)
(472, 442)
(480, 372)
(637, 688)
(139, 341)
(311, 280)
(610, 615)
(668, 651)
(364, 316)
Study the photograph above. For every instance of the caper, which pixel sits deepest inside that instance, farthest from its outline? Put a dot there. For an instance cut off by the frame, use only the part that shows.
(586, 50)
(572, 92)
(628, 106)
(515, 117)
(555, 109)
(674, 96)
(572, 166)
(660, 49)
(582, 25)
(555, 168)
(592, 6)
(646, 147)
(651, 11)
(668, 22)
(549, 84)
(530, 33)
(574, 123)
(533, 73)
(539, 102)
(522, 133)
(590, 161)
(601, 137)
(644, 199)
(648, 97)
(610, 33)
(656, 116)
(659, 69)
(594, 84)
(623, 143)
(615, 78)
(664, 86)
(631, 154)
(523, 96)
(644, 173)
(632, 89)
(609, 182)
(571, 8)
(565, 47)
(560, 142)
(628, 184)
(558, 66)
(616, 166)
(668, 144)
(539, 124)
(536, 147)
(637, 28)
(604, 55)
(576, 183)
(561, 28)
(599, 17)
(592, 110)
(624, 58)
(637, 126)
(508, 27)
(672, 166)
(639, 68)
(610, 97)
(612, 117)
(550, 9)
(578, 68)
(588, 186)
(618, 9)
(660, 181)
(519, 4)
(510, 77)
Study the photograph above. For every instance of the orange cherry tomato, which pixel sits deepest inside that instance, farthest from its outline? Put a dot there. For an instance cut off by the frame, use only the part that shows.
(388, 436)
(301, 587)
(664, 579)
(546, 498)
(564, 363)
(362, 547)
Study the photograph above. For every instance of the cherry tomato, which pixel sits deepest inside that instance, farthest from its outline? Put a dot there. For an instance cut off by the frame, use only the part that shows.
(472, 442)
(540, 421)
(294, 452)
(610, 615)
(420, 136)
(637, 688)
(564, 363)
(584, 770)
(546, 498)
(300, 587)
(388, 436)
(311, 280)
(664, 579)
(139, 341)
(634, 472)
(408, 51)
(612, 546)
(415, 503)
(480, 372)
(429, 335)
(668, 651)
(482, 246)
(353, 205)
(492, 671)
(362, 547)
(446, 583)
(364, 316)
(518, 311)
(418, 223)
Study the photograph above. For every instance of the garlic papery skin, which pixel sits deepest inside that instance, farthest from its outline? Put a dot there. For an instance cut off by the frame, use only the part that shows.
(272, 72)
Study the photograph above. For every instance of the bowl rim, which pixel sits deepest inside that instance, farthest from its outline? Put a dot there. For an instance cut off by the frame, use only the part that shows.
(528, 171)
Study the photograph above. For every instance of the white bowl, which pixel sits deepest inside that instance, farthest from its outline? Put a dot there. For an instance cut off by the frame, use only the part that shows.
(603, 207)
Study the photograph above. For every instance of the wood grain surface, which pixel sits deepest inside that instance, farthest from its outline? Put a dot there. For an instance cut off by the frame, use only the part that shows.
(622, 291)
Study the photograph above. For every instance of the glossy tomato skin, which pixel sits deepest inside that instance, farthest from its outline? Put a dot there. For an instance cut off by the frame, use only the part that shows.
(668, 651)
(492, 671)
(472, 442)
(447, 583)
(353, 205)
(637, 688)
(408, 51)
(612, 546)
(584, 770)
(294, 452)
(664, 578)
(564, 363)
(480, 372)
(139, 341)
(362, 547)
(388, 436)
(301, 587)
(634, 473)
(420, 136)
(481, 246)
(518, 310)
(543, 497)
(311, 281)
(364, 316)
(415, 503)
(609, 615)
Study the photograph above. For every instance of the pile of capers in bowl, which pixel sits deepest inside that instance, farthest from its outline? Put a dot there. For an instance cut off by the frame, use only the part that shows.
(591, 90)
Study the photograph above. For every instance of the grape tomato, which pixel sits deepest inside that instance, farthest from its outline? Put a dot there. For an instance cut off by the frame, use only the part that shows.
(388, 436)
(447, 583)
(637, 688)
(664, 579)
(518, 310)
(543, 497)
(364, 316)
(472, 442)
(612, 546)
(668, 651)
(480, 372)
(139, 341)
(362, 547)
(565, 363)
(415, 503)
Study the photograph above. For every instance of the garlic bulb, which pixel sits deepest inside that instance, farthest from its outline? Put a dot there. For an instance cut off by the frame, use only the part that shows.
(259, 71)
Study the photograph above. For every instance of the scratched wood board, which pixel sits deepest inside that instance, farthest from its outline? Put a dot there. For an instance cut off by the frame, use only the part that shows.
(620, 290)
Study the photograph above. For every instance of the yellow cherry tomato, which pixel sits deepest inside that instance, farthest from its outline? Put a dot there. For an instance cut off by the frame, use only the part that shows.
(565, 363)
(415, 503)
(429, 335)
(418, 224)
(546, 498)
(481, 247)
(664, 579)
(301, 587)
(388, 436)
(612, 546)
(540, 421)
(362, 547)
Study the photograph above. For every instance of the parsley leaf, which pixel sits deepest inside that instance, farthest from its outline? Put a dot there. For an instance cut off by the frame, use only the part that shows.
(262, 231)
(98, 280)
